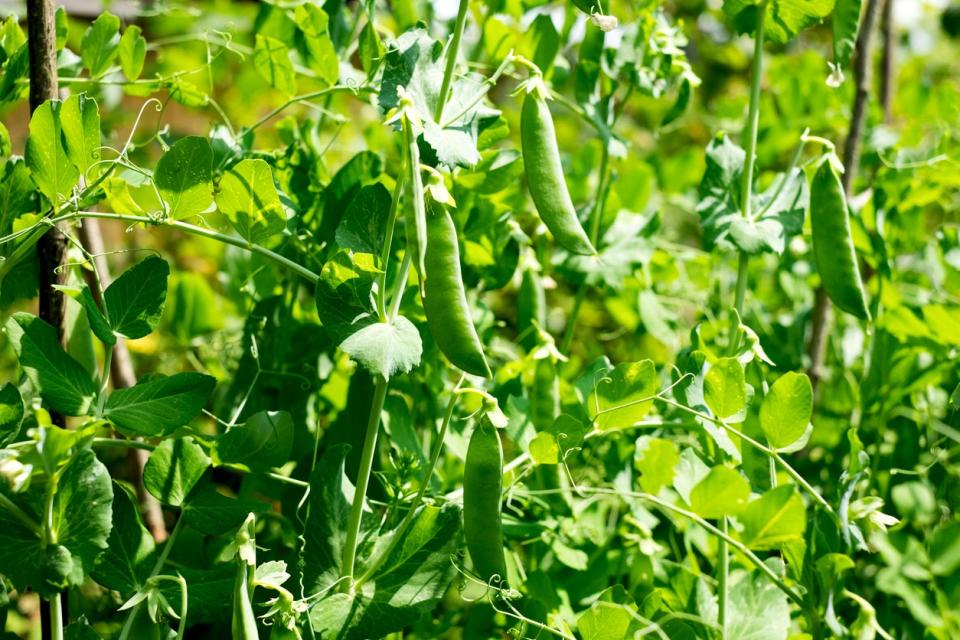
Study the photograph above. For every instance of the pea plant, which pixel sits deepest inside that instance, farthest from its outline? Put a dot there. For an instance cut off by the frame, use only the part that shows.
(588, 319)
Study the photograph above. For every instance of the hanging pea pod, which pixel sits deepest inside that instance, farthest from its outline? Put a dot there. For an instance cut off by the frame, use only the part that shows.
(541, 160)
(531, 309)
(444, 299)
(482, 486)
(833, 249)
(544, 394)
(243, 622)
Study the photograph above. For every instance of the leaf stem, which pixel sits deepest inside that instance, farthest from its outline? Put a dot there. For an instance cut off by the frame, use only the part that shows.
(56, 617)
(452, 53)
(349, 558)
(753, 117)
(388, 243)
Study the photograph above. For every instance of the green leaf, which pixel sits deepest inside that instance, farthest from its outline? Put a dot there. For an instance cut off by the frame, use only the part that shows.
(210, 512)
(722, 492)
(80, 630)
(385, 348)
(784, 18)
(195, 309)
(656, 459)
(159, 404)
(80, 517)
(846, 26)
(100, 42)
(612, 616)
(725, 388)
(544, 449)
(363, 226)
(248, 197)
(344, 294)
(129, 556)
(262, 442)
(271, 59)
(135, 300)
(61, 381)
(776, 518)
(50, 166)
(786, 410)
(623, 396)
(11, 413)
(313, 23)
(133, 52)
(411, 579)
(370, 49)
(95, 319)
(757, 609)
(173, 469)
(183, 177)
(80, 121)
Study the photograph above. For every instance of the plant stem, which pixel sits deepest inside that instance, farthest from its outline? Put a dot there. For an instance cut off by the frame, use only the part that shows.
(596, 216)
(197, 231)
(157, 567)
(424, 484)
(56, 617)
(753, 117)
(363, 479)
(388, 243)
(452, 54)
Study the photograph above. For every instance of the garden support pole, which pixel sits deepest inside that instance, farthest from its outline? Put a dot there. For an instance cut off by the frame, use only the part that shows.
(42, 48)
(820, 316)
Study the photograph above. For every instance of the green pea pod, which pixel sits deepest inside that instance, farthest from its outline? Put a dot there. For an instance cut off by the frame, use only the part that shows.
(444, 300)
(833, 250)
(544, 394)
(541, 160)
(531, 309)
(482, 480)
(244, 622)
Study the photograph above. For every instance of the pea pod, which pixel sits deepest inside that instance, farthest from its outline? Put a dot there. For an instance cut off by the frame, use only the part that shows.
(833, 250)
(444, 299)
(544, 394)
(243, 623)
(541, 160)
(531, 309)
(482, 479)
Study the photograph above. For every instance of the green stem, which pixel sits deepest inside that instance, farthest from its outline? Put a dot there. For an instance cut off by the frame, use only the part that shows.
(197, 231)
(452, 54)
(596, 217)
(753, 117)
(56, 617)
(104, 377)
(363, 479)
(157, 567)
(388, 243)
(303, 98)
(424, 484)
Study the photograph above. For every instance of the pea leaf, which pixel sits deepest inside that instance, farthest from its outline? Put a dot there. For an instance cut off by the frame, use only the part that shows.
(344, 294)
(612, 616)
(758, 610)
(656, 459)
(173, 470)
(183, 177)
(95, 318)
(722, 492)
(60, 380)
(46, 156)
(159, 404)
(775, 519)
(786, 410)
(784, 18)
(271, 59)
(100, 41)
(725, 388)
(264, 441)
(248, 197)
(132, 51)
(364, 223)
(134, 301)
(624, 395)
(210, 512)
(80, 120)
(81, 518)
(313, 23)
(846, 27)
(385, 348)
(544, 449)
(128, 559)
(11, 413)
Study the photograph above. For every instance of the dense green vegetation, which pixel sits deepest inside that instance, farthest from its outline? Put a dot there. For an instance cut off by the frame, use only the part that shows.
(472, 320)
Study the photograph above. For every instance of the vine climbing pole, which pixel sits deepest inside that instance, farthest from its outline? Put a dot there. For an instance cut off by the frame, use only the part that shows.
(42, 34)
(820, 317)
